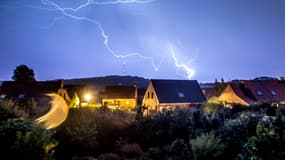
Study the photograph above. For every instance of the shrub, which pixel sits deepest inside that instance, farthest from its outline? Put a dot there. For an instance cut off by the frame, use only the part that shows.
(212, 109)
(5, 112)
(269, 142)
(206, 146)
(22, 139)
(131, 151)
(177, 150)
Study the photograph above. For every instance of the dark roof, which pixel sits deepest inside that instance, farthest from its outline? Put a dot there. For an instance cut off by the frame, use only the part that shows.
(241, 91)
(178, 91)
(266, 90)
(29, 89)
(253, 91)
(120, 92)
(209, 92)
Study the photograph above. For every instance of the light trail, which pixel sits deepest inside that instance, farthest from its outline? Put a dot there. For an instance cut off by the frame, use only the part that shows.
(57, 114)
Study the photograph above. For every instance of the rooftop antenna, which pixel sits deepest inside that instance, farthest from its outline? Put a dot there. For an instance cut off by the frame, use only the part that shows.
(124, 69)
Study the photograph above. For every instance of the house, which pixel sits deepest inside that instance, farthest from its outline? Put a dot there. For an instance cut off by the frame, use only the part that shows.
(31, 98)
(24, 90)
(169, 94)
(121, 97)
(249, 92)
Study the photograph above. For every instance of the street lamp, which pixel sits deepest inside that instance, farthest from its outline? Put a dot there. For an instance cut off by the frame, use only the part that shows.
(87, 97)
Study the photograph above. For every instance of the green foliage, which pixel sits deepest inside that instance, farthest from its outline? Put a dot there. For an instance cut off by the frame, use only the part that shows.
(5, 112)
(269, 141)
(80, 129)
(177, 150)
(207, 146)
(22, 139)
(35, 144)
(212, 109)
(23, 73)
(162, 129)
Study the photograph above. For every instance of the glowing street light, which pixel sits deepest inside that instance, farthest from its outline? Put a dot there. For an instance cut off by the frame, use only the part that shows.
(87, 97)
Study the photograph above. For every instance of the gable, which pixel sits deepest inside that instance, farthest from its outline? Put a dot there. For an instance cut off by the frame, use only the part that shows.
(231, 94)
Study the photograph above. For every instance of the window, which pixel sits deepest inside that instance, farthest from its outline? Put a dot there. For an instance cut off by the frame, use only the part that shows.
(147, 94)
(259, 93)
(152, 95)
(273, 93)
(180, 94)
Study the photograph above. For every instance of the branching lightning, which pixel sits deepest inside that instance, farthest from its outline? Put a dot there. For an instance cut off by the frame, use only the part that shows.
(189, 71)
(68, 12)
(100, 27)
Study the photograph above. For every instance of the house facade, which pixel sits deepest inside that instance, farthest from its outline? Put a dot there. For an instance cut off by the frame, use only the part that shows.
(249, 92)
(171, 94)
(120, 97)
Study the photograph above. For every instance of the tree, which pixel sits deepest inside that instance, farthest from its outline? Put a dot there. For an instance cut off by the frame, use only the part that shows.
(23, 73)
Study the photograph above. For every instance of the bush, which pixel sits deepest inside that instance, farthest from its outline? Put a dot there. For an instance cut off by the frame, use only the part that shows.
(22, 139)
(207, 146)
(5, 112)
(269, 142)
(177, 150)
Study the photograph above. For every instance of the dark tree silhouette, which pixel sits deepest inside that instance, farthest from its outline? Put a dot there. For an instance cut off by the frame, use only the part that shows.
(23, 73)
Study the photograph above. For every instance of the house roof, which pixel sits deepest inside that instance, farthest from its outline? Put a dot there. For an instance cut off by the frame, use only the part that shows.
(266, 90)
(178, 91)
(120, 92)
(209, 92)
(29, 89)
(242, 92)
(253, 91)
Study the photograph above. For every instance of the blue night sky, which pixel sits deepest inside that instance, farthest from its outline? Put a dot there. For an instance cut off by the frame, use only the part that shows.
(233, 39)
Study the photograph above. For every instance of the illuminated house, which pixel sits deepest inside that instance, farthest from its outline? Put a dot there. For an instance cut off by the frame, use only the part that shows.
(121, 97)
(250, 92)
(170, 94)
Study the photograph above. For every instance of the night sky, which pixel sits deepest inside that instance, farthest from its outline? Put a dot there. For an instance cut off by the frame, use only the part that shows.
(233, 39)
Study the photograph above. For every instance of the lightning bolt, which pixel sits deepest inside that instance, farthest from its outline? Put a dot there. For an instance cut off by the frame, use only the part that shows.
(67, 12)
(189, 71)
(100, 27)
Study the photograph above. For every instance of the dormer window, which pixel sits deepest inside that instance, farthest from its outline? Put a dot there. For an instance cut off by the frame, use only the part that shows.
(273, 93)
(259, 93)
(180, 94)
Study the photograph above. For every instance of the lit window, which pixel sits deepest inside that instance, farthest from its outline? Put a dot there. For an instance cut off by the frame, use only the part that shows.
(273, 93)
(259, 93)
(127, 102)
(180, 94)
